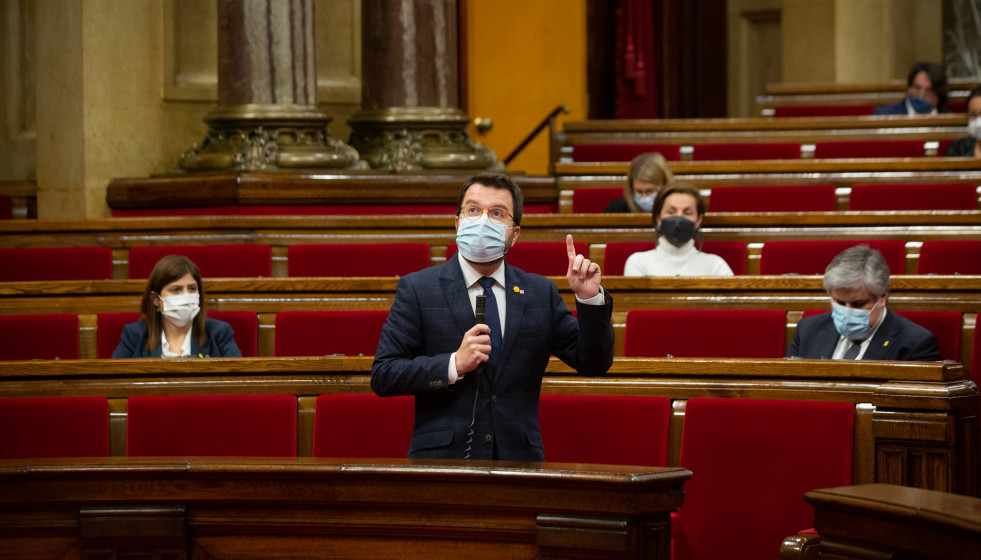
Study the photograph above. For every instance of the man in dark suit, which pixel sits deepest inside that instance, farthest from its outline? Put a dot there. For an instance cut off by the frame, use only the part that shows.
(859, 326)
(476, 392)
(926, 92)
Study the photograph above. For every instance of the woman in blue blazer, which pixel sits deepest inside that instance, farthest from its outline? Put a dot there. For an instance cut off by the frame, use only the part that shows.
(173, 320)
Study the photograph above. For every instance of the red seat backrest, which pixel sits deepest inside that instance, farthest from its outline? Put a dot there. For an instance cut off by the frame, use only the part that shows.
(213, 261)
(363, 425)
(822, 110)
(869, 149)
(746, 151)
(49, 336)
(813, 256)
(753, 461)
(54, 427)
(108, 329)
(616, 253)
(961, 256)
(211, 425)
(623, 152)
(548, 258)
(605, 429)
(906, 196)
(29, 264)
(773, 198)
(594, 201)
(945, 325)
(320, 333)
(704, 333)
(245, 324)
(357, 259)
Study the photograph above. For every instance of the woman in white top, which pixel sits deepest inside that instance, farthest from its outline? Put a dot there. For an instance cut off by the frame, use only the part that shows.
(677, 215)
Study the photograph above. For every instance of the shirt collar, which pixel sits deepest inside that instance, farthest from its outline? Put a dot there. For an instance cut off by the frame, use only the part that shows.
(470, 274)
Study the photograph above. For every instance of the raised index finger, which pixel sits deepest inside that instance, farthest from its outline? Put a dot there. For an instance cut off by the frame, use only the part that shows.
(570, 247)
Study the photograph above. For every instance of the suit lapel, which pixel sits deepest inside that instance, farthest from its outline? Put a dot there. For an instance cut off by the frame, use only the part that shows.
(827, 339)
(454, 289)
(515, 302)
(879, 346)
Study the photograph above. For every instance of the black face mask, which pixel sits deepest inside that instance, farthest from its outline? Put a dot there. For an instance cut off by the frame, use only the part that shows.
(677, 230)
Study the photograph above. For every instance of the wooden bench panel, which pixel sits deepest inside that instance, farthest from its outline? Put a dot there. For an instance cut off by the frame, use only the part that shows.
(925, 395)
(267, 296)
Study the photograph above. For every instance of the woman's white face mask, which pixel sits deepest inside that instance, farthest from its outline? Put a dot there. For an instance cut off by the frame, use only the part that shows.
(974, 128)
(180, 309)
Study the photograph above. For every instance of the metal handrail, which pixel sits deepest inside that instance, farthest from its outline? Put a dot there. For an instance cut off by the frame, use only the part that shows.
(547, 121)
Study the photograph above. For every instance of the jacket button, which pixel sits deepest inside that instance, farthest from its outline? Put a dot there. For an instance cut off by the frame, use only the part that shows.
(493, 398)
(488, 438)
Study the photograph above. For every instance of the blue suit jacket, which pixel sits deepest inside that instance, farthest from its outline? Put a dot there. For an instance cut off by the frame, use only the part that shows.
(898, 338)
(221, 342)
(428, 319)
(897, 109)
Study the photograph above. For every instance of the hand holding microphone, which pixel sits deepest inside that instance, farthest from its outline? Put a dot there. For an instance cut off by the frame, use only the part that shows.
(475, 348)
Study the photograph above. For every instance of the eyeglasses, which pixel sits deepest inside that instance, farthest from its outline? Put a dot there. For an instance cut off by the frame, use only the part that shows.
(496, 214)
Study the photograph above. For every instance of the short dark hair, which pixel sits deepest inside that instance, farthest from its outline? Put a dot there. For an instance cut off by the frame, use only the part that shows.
(497, 181)
(938, 80)
(676, 188)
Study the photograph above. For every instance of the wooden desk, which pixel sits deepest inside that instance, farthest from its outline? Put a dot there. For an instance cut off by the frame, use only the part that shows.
(916, 423)
(325, 509)
(889, 521)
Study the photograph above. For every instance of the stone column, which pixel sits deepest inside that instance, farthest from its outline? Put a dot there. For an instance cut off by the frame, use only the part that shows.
(267, 115)
(409, 118)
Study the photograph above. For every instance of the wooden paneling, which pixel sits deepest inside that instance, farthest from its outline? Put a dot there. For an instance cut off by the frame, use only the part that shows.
(324, 509)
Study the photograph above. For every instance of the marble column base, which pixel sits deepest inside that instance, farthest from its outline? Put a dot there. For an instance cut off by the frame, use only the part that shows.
(418, 138)
(267, 137)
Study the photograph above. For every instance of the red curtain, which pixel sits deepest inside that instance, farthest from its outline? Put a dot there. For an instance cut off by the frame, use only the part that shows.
(635, 69)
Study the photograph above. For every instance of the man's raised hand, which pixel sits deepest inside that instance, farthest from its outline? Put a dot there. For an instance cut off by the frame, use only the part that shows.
(584, 275)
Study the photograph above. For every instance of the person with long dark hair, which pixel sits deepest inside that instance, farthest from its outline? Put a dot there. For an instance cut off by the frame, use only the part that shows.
(173, 320)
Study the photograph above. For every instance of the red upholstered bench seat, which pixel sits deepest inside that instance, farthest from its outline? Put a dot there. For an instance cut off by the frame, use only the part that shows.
(54, 427)
(211, 425)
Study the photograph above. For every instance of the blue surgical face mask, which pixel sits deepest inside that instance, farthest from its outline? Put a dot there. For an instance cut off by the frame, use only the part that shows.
(920, 105)
(850, 322)
(645, 203)
(481, 240)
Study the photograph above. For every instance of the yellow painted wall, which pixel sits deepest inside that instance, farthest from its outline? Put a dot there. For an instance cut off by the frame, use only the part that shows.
(524, 59)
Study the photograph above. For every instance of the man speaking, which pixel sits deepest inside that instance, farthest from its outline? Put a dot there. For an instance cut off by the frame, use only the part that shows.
(477, 386)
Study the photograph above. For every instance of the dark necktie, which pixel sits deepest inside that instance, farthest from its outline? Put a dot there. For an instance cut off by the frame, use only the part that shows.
(493, 322)
(852, 351)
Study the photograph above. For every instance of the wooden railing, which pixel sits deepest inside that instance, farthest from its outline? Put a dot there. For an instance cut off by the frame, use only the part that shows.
(916, 423)
(268, 296)
(325, 509)
(889, 521)
(595, 229)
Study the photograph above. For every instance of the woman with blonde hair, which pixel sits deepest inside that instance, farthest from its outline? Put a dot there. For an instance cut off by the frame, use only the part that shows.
(648, 173)
(173, 321)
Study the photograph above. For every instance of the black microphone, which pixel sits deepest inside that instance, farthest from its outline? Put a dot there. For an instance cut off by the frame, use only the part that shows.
(480, 317)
